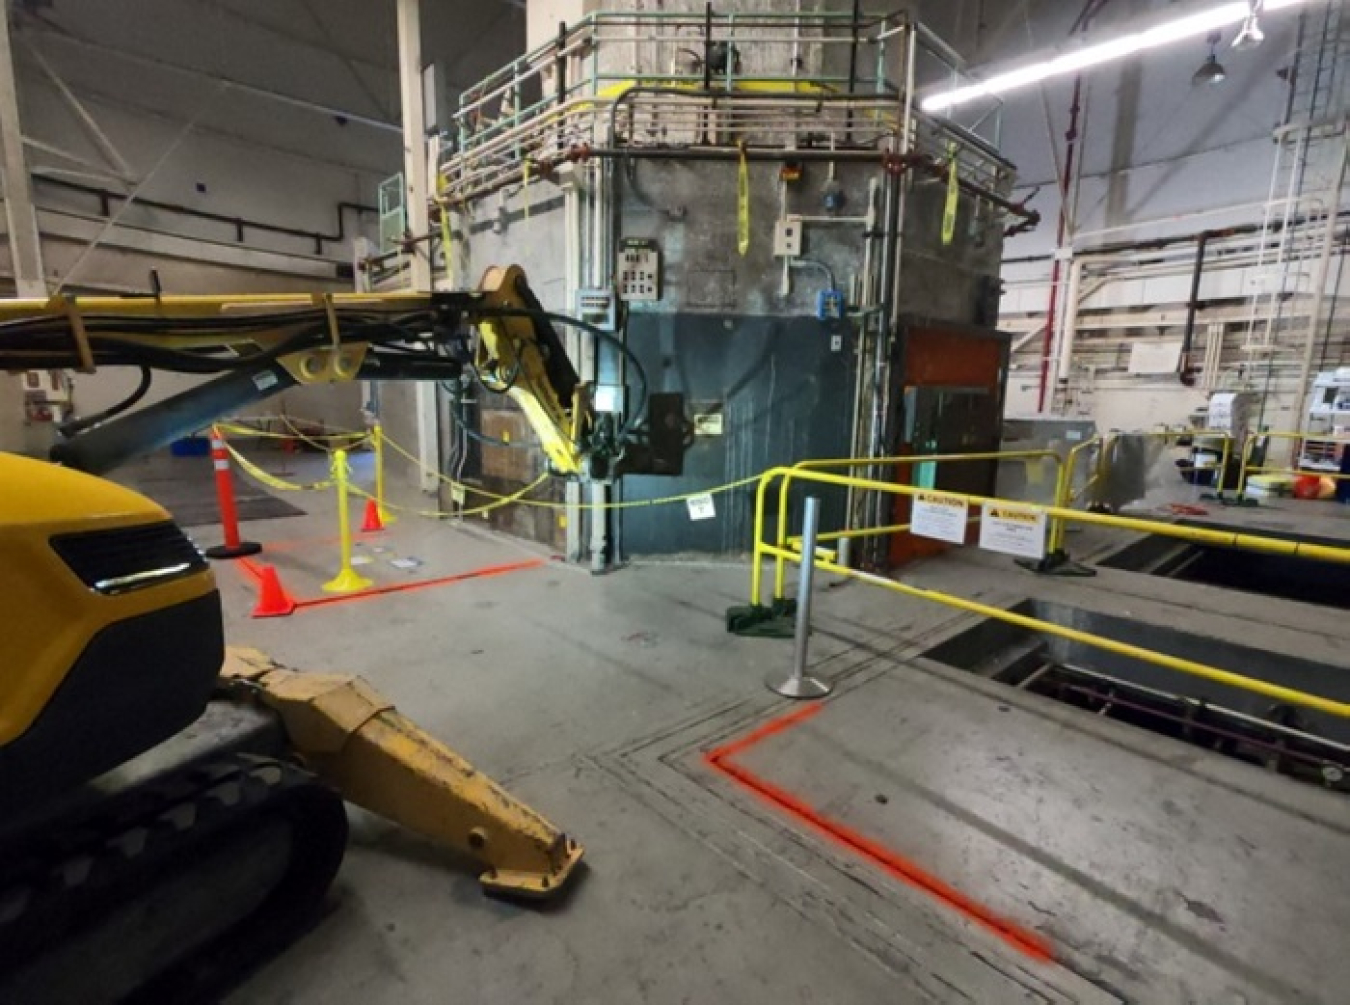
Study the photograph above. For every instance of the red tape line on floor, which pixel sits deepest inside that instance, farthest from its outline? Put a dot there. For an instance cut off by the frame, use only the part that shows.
(379, 591)
(1023, 939)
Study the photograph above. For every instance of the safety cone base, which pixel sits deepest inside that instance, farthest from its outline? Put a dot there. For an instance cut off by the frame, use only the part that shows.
(347, 581)
(241, 550)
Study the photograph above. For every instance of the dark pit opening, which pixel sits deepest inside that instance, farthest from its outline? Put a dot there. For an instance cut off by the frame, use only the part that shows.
(1304, 744)
(1308, 581)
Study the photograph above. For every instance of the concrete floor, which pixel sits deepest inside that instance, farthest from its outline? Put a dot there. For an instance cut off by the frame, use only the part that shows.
(924, 836)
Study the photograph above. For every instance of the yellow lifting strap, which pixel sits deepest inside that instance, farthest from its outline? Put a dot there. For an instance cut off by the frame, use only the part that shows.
(68, 306)
(447, 251)
(446, 248)
(743, 204)
(352, 737)
(953, 196)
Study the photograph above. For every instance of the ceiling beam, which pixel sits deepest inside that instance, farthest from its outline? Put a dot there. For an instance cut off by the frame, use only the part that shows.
(231, 83)
(297, 37)
(136, 108)
(25, 246)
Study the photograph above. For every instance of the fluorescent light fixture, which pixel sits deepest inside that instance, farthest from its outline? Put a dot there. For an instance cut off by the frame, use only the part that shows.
(1104, 52)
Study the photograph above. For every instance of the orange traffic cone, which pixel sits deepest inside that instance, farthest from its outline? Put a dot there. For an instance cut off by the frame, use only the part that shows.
(273, 600)
(372, 522)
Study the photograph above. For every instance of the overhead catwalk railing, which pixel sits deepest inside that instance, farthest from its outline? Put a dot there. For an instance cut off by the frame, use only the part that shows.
(761, 85)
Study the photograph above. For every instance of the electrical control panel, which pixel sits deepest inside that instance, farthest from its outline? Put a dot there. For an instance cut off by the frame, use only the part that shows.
(639, 270)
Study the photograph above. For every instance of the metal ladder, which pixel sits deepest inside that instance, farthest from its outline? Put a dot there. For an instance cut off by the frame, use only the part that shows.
(1306, 175)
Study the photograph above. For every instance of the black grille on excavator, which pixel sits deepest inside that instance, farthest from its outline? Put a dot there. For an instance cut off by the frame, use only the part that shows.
(129, 558)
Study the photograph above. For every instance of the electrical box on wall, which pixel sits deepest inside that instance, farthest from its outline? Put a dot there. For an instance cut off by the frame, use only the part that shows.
(639, 270)
(830, 305)
(787, 237)
(597, 306)
(600, 307)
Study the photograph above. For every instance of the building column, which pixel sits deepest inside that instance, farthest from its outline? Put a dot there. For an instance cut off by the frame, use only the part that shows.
(416, 202)
(25, 247)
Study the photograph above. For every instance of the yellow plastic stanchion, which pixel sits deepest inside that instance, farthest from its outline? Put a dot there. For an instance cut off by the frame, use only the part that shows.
(377, 438)
(348, 580)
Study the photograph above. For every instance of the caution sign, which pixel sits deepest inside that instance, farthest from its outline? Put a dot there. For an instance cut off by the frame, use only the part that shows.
(939, 516)
(1013, 530)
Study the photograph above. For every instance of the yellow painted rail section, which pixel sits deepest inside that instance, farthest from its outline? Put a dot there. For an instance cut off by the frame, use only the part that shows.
(1219, 676)
(1065, 495)
(1249, 468)
(1200, 535)
(849, 463)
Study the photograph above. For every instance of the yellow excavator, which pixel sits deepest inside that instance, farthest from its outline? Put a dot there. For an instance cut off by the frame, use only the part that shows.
(172, 811)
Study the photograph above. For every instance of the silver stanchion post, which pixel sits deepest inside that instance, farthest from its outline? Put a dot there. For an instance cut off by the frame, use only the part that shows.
(797, 684)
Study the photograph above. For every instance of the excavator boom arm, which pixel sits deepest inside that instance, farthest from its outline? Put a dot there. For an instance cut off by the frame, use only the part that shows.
(255, 346)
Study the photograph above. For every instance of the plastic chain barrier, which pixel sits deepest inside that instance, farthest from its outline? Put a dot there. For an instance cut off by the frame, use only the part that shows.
(498, 499)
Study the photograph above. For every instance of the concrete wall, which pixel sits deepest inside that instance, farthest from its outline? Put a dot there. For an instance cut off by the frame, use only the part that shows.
(719, 305)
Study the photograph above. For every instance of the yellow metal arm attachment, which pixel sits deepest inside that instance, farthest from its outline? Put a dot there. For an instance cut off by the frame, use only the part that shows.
(511, 345)
(354, 738)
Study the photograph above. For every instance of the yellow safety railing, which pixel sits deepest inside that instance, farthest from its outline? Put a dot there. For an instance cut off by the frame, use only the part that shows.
(1065, 494)
(1218, 675)
(1169, 435)
(1248, 468)
(1184, 532)
(849, 463)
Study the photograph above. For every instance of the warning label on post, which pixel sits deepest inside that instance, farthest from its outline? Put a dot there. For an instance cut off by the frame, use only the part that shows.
(701, 507)
(1013, 530)
(939, 516)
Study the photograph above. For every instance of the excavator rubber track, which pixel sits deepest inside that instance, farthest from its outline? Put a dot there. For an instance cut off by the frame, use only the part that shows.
(172, 890)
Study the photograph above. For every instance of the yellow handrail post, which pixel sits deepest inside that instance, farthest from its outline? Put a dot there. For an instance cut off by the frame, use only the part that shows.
(757, 566)
(1223, 465)
(377, 438)
(348, 580)
(1063, 485)
(1247, 449)
(780, 567)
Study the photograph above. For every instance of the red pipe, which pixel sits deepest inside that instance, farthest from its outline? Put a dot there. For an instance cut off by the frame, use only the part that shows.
(233, 547)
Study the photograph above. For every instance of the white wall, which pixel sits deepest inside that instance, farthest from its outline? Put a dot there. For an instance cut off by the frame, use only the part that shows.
(1159, 158)
(243, 108)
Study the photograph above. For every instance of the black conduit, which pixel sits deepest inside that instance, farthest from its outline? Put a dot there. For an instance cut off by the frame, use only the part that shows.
(1188, 337)
(107, 197)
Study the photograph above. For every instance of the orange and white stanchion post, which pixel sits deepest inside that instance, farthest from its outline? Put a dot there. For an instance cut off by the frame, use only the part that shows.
(233, 547)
